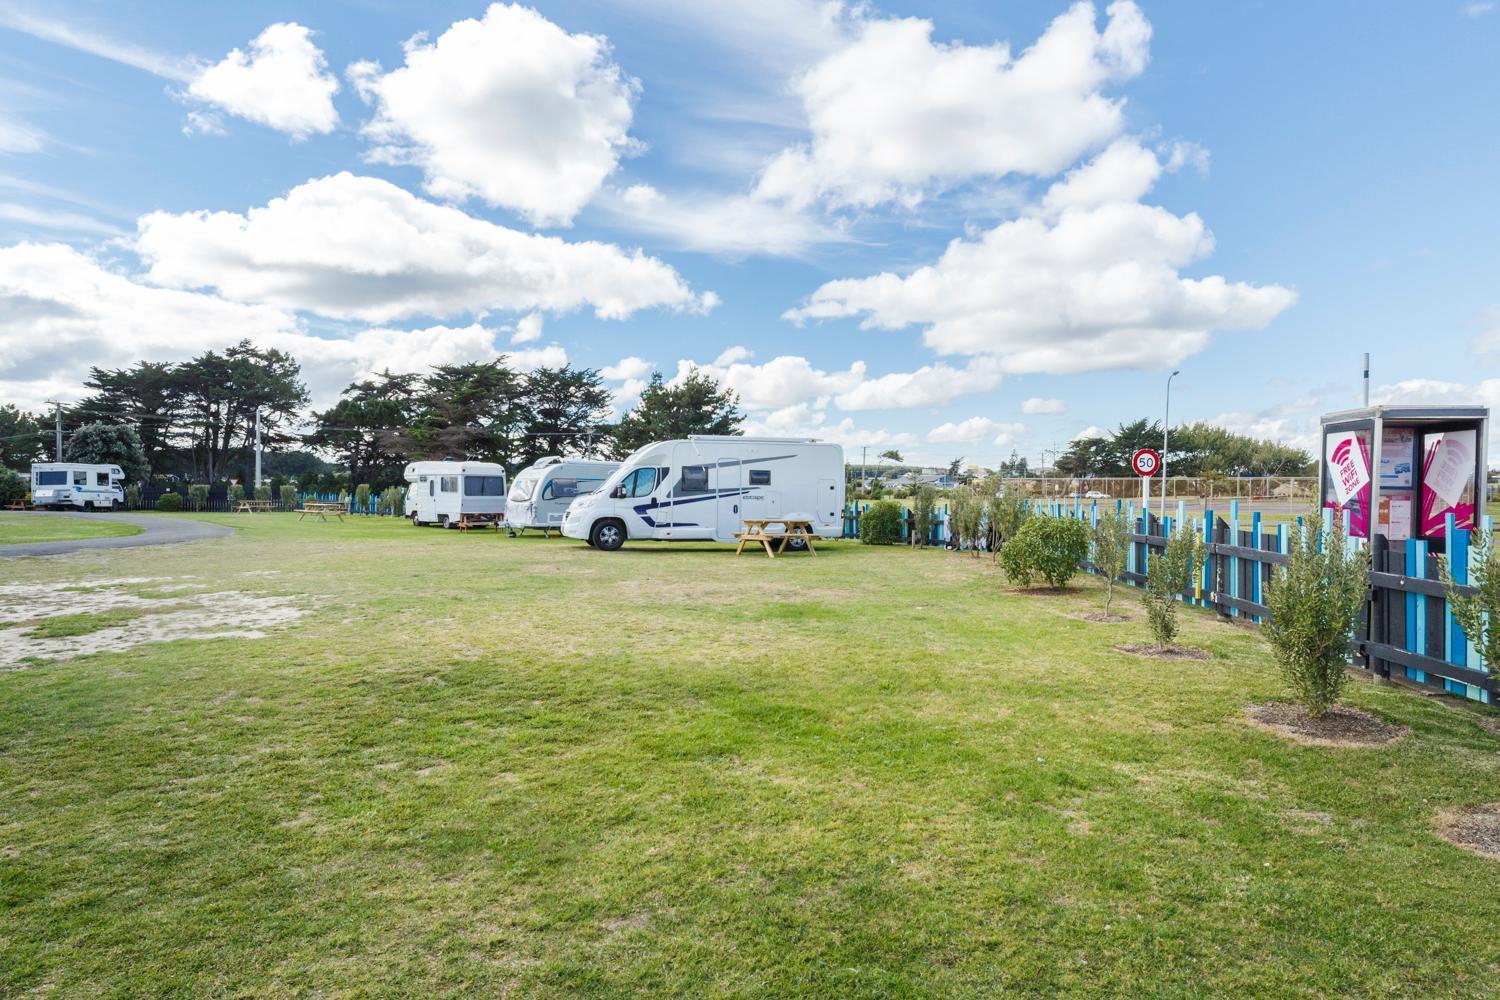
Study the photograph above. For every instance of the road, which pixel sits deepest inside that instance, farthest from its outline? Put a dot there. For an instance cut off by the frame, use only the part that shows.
(155, 530)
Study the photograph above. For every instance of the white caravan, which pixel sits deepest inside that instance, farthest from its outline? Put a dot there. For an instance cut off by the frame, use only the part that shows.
(542, 492)
(69, 484)
(440, 491)
(704, 487)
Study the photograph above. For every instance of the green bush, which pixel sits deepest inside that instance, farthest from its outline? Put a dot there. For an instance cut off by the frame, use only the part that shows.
(13, 487)
(236, 493)
(1008, 511)
(1047, 547)
(263, 492)
(881, 524)
(133, 497)
(1315, 602)
(922, 507)
(362, 497)
(1113, 536)
(1168, 574)
(169, 502)
(393, 501)
(198, 495)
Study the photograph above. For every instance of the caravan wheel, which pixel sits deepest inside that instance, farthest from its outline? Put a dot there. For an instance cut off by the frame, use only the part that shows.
(607, 535)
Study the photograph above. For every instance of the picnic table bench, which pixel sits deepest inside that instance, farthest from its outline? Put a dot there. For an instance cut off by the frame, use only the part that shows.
(322, 508)
(793, 528)
(476, 520)
(251, 506)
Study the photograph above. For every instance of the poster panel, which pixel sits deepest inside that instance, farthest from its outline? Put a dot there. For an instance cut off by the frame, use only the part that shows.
(1448, 480)
(1347, 455)
(1398, 454)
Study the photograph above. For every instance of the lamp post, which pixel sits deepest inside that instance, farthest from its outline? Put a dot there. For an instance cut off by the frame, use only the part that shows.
(1166, 424)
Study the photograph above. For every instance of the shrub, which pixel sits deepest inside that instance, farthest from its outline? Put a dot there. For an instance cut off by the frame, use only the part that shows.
(1478, 614)
(236, 493)
(198, 496)
(1112, 539)
(1008, 512)
(1315, 602)
(263, 492)
(1047, 547)
(133, 497)
(169, 502)
(921, 509)
(881, 524)
(1168, 574)
(362, 498)
(13, 487)
(393, 501)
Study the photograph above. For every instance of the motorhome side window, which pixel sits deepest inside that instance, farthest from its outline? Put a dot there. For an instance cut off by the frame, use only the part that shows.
(639, 483)
(760, 477)
(51, 477)
(448, 484)
(101, 479)
(484, 486)
(561, 488)
(80, 479)
(694, 480)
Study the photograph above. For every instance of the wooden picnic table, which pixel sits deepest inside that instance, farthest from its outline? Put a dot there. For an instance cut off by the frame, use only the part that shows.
(251, 506)
(322, 508)
(478, 520)
(757, 529)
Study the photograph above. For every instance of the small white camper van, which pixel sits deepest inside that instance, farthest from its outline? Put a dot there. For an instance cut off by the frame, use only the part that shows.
(83, 487)
(440, 491)
(542, 492)
(704, 487)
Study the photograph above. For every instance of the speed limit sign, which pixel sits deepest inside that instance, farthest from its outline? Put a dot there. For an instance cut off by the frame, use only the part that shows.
(1145, 462)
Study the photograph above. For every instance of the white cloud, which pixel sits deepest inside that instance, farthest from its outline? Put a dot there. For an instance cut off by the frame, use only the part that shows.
(203, 123)
(282, 82)
(361, 248)
(1038, 405)
(1478, 8)
(627, 368)
(974, 429)
(733, 225)
(510, 109)
(1092, 431)
(802, 420)
(16, 136)
(1079, 283)
(56, 221)
(781, 382)
(49, 29)
(732, 354)
(528, 329)
(930, 385)
(61, 311)
(896, 116)
(1487, 343)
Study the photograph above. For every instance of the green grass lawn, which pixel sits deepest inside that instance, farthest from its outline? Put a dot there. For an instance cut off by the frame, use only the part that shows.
(16, 527)
(485, 766)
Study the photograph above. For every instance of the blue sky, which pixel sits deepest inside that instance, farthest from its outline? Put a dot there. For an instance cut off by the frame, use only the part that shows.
(955, 229)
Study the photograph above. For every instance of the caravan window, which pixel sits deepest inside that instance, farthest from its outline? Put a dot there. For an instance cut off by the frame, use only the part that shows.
(101, 479)
(80, 479)
(560, 489)
(520, 489)
(760, 477)
(640, 483)
(448, 484)
(484, 486)
(51, 477)
(694, 480)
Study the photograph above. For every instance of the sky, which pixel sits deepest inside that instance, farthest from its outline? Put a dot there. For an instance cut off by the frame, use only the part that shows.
(956, 230)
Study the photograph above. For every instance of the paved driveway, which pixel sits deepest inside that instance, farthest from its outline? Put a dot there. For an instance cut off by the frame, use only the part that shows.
(155, 530)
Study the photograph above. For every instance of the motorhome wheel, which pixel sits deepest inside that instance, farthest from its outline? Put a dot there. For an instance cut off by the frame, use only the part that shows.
(608, 535)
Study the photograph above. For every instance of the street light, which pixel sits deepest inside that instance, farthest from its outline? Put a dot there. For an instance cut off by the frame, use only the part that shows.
(1166, 424)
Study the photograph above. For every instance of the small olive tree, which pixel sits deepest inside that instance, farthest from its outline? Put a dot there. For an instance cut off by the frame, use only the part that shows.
(922, 505)
(1315, 603)
(1113, 535)
(1478, 614)
(362, 498)
(1008, 512)
(1168, 574)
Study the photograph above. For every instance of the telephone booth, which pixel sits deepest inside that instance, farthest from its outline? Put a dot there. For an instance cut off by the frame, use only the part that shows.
(1399, 471)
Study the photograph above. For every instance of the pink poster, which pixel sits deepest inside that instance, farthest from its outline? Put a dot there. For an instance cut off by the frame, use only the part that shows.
(1348, 458)
(1448, 481)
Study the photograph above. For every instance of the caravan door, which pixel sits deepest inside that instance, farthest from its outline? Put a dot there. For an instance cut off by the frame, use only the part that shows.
(727, 483)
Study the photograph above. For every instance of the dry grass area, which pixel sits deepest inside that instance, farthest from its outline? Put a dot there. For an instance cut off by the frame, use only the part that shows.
(460, 764)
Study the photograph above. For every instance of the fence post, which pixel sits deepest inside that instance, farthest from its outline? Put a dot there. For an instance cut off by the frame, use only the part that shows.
(1416, 606)
(1234, 561)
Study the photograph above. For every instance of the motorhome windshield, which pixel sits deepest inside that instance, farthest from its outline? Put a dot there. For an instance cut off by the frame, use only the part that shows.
(521, 487)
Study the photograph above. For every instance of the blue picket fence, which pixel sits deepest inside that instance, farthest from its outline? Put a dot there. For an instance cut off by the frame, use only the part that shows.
(1409, 632)
(938, 535)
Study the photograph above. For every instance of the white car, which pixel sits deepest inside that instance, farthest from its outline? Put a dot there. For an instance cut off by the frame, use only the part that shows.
(1095, 495)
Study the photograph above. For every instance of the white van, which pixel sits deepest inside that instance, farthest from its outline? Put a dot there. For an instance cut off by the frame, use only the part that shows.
(542, 492)
(82, 487)
(704, 487)
(440, 491)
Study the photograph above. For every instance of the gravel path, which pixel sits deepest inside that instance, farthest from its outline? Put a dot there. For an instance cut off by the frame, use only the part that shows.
(154, 531)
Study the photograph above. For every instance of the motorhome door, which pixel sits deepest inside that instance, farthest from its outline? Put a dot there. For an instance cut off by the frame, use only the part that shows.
(727, 483)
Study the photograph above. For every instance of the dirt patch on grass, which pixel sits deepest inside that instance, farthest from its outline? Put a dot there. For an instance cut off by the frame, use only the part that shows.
(1476, 829)
(1098, 617)
(1341, 727)
(1490, 723)
(1152, 651)
(1042, 591)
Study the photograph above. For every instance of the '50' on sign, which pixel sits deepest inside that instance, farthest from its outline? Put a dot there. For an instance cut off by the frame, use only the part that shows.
(1145, 462)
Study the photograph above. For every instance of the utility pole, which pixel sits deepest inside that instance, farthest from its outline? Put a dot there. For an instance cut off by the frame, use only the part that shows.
(864, 473)
(1166, 422)
(1367, 378)
(57, 453)
(257, 447)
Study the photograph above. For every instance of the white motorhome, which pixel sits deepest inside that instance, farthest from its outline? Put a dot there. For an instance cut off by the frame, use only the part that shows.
(704, 487)
(83, 487)
(440, 491)
(542, 492)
